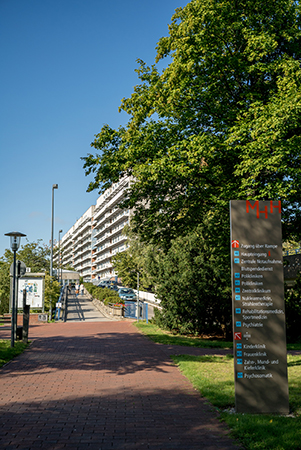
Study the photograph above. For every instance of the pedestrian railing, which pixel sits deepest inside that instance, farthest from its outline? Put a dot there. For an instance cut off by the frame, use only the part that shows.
(294, 251)
(61, 305)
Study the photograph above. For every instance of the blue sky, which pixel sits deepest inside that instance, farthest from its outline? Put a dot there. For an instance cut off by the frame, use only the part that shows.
(65, 66)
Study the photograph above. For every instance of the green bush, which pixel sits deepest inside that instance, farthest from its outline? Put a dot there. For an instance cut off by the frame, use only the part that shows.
(103, 294)
(193, 281)
(52, 292)
(293, 311)
(113, 300)
(89, 287)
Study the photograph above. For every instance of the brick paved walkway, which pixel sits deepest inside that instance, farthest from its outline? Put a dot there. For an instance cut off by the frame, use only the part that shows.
(101, 386)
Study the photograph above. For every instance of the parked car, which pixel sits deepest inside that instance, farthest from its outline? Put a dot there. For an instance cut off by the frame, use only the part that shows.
(114, 287)
(127, 294)
(106, 283)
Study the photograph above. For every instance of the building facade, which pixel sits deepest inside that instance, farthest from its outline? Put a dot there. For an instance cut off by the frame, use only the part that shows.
(92, 241)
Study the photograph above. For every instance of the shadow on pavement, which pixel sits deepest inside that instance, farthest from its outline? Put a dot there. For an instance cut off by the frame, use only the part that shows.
(114, 420)
(117, 353)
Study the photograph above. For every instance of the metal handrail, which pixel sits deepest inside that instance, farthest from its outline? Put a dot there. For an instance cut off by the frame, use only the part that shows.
(295, 251)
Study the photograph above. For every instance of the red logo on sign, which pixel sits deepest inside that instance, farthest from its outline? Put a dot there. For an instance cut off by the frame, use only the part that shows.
(235, 244)
(237, 336)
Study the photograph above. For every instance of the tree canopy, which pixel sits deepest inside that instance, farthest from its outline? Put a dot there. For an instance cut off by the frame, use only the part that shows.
(36, 256)
(134, 260)
(221, 122)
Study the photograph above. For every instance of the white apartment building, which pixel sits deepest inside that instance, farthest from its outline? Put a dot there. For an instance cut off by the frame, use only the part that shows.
(91, 242)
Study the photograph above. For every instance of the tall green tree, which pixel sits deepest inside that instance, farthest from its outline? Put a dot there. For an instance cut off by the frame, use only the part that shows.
(221, 122)
(193, 282)
(52, 291)
(4, 287)
(132, 261)
(34, 255)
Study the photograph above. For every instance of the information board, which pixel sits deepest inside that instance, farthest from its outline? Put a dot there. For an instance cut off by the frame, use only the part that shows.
(260, 357)
(34, 292)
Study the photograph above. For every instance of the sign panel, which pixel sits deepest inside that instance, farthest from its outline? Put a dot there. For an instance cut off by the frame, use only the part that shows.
(20, 269)
(260, 357)
(42, 318)
(35, 292)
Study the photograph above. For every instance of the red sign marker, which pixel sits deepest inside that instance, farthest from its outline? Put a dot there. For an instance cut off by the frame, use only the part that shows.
(237, 336)
(235, 244)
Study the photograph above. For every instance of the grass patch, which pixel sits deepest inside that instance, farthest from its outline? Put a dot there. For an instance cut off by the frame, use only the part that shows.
(160, 336)
(7, 352)
(213, 376)
(164, 337)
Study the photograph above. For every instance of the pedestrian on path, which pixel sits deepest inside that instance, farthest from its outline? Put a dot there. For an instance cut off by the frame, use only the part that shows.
(82, 289)
(77, 289)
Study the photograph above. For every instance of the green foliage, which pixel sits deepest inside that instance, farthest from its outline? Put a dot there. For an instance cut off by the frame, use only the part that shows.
(293, 311)
(33, 254)
(103, 294)
(127, 264)
(125, 267)
(194, 284)
(4, 287)
(52, 291)
(7, 352)
(156, 334)
(90, 287)
(221, 122)
(160, 336)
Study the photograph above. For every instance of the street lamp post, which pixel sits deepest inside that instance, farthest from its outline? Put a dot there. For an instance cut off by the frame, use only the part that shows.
(59, 259)
(54, 186)
(15, 239)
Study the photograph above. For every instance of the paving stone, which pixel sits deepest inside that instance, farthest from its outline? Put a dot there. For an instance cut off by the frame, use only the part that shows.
(102, 385)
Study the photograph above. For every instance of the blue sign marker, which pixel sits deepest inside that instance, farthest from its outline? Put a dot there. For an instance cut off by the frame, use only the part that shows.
(239, 353)
(238, 324)
(236, 260)
(239, 375)
(237, 289)
(237, 282)
(237, 275)
(237, 297)
(238, 345)
(239, 361)
(236, 253)
(237, 311)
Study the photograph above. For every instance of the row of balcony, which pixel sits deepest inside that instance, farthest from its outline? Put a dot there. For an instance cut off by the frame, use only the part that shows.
(117, 190)
(86, 223)
(100, 229)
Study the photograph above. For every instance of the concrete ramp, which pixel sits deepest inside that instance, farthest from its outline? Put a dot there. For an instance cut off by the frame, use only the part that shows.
(81, 309)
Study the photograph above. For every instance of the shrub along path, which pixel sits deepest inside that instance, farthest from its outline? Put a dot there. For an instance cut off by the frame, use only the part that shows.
(101, 385)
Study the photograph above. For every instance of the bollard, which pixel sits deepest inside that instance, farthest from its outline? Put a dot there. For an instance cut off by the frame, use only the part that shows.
(26, 311)
(19, 333)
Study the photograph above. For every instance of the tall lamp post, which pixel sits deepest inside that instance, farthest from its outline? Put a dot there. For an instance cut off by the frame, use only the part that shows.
(54, 186)
(15, 239)
(59, 260)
